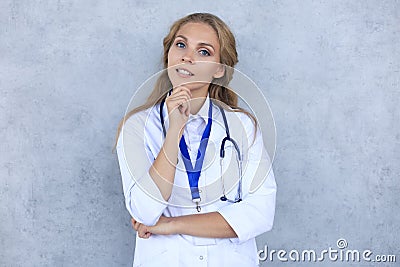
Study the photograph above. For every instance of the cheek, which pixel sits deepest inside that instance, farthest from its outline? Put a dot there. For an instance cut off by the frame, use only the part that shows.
(169, 58)
(173, 57)
(218, 59)
(211, 68)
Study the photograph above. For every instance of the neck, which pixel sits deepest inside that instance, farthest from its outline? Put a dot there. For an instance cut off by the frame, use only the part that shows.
(197, 101)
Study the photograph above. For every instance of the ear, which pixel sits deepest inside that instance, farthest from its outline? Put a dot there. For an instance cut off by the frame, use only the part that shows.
(220, 71)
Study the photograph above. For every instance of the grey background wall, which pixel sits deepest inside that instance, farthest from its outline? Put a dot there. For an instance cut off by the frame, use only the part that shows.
(330, 70)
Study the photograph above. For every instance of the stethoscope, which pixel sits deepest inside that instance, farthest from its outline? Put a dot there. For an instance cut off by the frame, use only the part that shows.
(228, 137)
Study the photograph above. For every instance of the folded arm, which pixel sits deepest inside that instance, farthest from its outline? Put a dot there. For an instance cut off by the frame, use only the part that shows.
(211, 225)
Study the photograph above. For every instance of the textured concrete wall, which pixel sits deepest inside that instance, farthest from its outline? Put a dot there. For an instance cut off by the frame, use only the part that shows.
(330, 70)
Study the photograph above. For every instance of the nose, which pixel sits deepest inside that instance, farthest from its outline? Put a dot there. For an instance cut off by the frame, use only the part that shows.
(188, 57)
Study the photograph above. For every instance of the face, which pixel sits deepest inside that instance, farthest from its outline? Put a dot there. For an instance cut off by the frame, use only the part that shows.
(194, 56)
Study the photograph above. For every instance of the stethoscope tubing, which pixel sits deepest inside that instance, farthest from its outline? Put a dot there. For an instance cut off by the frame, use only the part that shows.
(228, 137)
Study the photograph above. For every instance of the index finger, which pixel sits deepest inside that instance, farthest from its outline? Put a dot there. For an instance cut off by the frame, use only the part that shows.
(181, 88)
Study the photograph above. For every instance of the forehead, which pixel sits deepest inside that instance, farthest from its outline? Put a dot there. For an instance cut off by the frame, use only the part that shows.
(199, 32)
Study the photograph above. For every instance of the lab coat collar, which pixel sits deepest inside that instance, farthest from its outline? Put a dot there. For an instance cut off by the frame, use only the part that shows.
(203, 112)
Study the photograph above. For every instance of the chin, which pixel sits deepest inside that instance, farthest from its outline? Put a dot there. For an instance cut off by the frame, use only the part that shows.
(192, 86)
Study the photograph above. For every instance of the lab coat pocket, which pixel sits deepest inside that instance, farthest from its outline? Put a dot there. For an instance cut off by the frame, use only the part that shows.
(155, 251)
(155, 259)
(239, 255)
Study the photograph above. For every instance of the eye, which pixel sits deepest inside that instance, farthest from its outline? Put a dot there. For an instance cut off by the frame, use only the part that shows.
(180, 44)
(204, 52)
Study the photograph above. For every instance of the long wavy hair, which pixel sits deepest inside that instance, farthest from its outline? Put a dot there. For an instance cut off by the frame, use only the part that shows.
(218, 88)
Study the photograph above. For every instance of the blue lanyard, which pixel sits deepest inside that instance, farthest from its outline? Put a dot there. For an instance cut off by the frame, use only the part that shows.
(194, 173)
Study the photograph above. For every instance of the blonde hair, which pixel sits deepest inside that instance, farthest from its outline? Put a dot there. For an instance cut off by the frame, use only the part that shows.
(218, 89)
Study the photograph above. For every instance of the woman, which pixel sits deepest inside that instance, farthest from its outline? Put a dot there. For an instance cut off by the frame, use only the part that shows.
(187, 209)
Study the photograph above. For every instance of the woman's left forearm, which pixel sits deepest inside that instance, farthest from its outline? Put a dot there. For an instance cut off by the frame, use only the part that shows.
(211, 225)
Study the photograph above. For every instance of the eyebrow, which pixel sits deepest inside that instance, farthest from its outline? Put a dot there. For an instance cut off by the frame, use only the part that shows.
(201, 43)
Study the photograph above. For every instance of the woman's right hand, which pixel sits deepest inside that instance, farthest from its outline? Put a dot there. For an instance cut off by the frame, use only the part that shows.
(178, 105)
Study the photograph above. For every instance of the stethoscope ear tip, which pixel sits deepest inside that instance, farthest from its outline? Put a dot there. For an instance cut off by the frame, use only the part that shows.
(223, 198)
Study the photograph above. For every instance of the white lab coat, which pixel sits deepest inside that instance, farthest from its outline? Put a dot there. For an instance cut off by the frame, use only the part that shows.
(139, 144)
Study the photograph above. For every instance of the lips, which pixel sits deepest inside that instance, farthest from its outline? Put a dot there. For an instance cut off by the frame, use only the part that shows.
(184, 72)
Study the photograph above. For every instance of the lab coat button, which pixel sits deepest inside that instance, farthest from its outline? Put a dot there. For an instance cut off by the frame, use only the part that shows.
(201, 258)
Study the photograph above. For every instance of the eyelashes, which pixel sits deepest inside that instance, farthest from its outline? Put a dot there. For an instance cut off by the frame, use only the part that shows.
(180, 45)
(202, 51)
